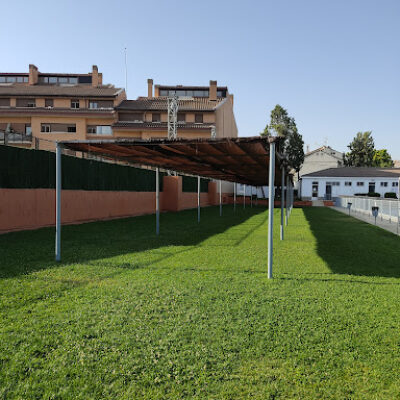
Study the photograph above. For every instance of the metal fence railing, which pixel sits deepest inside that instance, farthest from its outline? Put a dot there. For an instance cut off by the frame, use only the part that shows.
(389, 209)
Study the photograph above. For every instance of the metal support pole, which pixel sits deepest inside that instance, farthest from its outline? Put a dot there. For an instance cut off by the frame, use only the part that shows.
(58, 203)
(271, 184)
(220, 198)
(198, 199)
(282, 199)
(244, 196)
(256, 196)
(234, 196)
(251, 196)
(157, 201)
(287, 200)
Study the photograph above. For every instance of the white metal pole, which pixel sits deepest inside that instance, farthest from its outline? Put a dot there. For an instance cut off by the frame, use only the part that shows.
(198, 199)
(157, 202)
(398, 206)
(244, 196)
(271, 207)
(251, 196)
(234, 196)
(58, 202)
(220, 198)
(256, 196)
(282, 199)
(287, 199)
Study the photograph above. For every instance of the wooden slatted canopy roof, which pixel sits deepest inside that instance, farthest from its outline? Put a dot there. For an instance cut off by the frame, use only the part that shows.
(242, 160)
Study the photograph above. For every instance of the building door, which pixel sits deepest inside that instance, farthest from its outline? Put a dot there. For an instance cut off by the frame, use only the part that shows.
(314, 190)
(371, 187)
(328, 191)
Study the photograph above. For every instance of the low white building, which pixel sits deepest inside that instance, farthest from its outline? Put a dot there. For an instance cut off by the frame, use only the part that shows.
(348, 181)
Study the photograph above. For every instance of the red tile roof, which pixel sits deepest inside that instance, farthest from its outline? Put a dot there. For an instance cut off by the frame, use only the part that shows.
(160, 104)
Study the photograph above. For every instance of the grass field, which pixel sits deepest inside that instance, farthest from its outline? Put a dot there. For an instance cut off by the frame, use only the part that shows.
(191, 314)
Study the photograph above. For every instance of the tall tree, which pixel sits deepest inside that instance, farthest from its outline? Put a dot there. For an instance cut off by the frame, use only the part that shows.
(282, 125)
(362, 150)
(295, 151)
(382, 159)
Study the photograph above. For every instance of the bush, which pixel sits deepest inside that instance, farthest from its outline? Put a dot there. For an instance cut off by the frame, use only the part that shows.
(373, 194)
(390, 195)
(360, 194)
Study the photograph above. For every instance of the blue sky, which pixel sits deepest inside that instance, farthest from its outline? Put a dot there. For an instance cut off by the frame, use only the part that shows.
(334, 65)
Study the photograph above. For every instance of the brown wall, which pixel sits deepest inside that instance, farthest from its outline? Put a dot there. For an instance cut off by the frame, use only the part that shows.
(35, 208)
(225, 120)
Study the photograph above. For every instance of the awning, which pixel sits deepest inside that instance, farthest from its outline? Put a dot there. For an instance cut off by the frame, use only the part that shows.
(243, 160)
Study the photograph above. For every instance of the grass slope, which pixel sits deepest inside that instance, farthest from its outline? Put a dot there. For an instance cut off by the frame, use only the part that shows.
(191, 314)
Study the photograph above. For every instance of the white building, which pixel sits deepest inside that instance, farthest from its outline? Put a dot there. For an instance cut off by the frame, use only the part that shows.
(348, 181)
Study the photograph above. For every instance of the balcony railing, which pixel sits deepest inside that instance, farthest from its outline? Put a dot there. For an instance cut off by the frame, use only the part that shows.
(14, 138)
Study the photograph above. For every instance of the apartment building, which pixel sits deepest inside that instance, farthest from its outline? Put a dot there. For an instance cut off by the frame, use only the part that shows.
(38, 108)
(203, 111)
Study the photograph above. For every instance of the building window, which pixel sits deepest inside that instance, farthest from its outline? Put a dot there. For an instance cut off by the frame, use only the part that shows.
(71, 129)
(181, 117)
(53, 80)
(348, 183)
(99, 130)
(360, 183)
(48, 102)
(4, 102)
(198, 118)
(74, 103)
(45, 128)
(155, 117)
(93, 104)
(395, 184)
(62, 79)
(26, 103)
(384, 184)
(28, 130)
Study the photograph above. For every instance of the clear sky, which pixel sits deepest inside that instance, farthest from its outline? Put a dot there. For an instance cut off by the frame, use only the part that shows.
(334, 65)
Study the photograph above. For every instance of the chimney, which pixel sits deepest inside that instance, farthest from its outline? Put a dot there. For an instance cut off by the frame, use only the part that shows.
(213, 90)
(156, 90)
(149, 87)
(231, 97)
(308, 148)
(33, 74)
(96, 77)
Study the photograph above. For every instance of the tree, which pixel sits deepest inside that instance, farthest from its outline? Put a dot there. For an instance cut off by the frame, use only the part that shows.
(382, 159)
(280, 123)
(362, 150)
(284, 126)
(295, 151)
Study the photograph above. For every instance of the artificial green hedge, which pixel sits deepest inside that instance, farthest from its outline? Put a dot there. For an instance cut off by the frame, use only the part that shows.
(34, 169)
(189, 184)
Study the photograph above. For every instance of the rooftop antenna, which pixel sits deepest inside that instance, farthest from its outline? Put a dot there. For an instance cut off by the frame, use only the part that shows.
(172, 105)
(126, 71)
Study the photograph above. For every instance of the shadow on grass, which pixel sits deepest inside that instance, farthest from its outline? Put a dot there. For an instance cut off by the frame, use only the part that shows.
(352, 247)
(25, 252)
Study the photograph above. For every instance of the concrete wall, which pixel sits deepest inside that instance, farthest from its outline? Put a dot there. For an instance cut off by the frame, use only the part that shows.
(343, 190)
(225, 119)
(321, 160)
(35, 208)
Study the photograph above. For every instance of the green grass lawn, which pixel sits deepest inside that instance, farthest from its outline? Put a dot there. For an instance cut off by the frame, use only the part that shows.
(191, 314)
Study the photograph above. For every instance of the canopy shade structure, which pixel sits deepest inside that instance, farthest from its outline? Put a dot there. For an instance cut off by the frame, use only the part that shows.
(242, 160)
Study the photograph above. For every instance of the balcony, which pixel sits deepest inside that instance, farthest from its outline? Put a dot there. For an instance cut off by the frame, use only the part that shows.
(15, 138)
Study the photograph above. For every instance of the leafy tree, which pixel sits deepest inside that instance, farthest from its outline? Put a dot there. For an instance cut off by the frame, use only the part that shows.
(295, 151)
(362, 150)
(280, 123)
(284, 126)
(382, 159)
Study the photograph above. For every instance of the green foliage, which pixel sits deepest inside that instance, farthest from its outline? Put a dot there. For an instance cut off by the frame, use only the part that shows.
(32, 169)
(295, 150)
(362, 151)
(382, 159)
(282, 125)
(191, 314)
(373, 194)
(390, 195)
